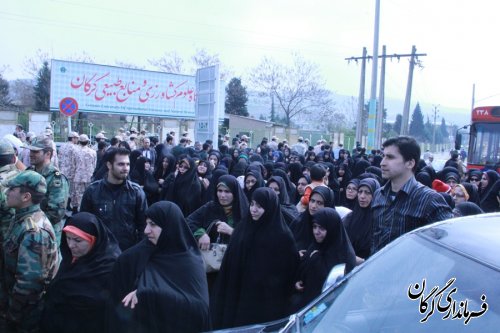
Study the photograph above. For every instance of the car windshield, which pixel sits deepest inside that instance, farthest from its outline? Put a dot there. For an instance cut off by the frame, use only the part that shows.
(376, 297)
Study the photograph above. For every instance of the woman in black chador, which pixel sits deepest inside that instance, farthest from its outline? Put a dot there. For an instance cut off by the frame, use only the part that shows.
(288, 210)
(358, 223)
(331, 246)
(256, 277)
(301, 227)
(183, 186)
(76, 297)
(159, 285)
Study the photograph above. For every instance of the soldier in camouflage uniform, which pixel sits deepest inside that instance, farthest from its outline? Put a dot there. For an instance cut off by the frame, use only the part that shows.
(56, 199)
(30, 255)
(8, 171)
(66, 156)
(85, 161)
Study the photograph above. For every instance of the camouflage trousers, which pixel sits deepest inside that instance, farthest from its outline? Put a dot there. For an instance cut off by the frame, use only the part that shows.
(76, 193)
(28, 323)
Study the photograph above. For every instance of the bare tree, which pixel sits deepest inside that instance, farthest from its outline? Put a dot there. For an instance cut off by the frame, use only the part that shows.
(170, 62)
(22, 93)
(298, 89)
(33, 64)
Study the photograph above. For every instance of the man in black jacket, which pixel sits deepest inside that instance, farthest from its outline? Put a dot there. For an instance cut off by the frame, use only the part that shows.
(118, 202)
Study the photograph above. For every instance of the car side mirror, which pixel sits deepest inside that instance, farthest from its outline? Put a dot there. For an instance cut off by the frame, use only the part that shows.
(336, 274)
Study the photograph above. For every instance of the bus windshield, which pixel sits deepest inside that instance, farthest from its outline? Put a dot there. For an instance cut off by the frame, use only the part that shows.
(484, 144)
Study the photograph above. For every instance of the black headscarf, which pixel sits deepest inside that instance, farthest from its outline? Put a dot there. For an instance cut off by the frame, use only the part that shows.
(288, 210)
(473, 192)
(301, 227)
(488, 195)
(290, 186)
(360, 167)
(259, 183)
(256, 276)
(211, 191)
(344, 201)
(146, 179)
(358, 223)
(169, 278)
(295, 170)
(159, 172)
(335, 249)
(76, 297)
(184, 189)
(467, 209)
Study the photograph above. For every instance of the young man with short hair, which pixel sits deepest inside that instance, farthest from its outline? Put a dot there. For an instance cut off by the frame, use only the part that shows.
(118, 202)
(403, 204)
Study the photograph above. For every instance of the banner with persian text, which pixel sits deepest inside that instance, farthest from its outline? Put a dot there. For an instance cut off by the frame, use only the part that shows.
(108, 89)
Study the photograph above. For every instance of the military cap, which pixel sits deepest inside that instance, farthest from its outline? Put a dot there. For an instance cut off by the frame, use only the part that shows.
(30, 179)
(40, 143)
(6, 148)
(100, 136)
(73, 135)
(133, 130)
(83, 138)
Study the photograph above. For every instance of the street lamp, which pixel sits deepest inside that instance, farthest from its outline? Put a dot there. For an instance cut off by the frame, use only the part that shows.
(434, 128)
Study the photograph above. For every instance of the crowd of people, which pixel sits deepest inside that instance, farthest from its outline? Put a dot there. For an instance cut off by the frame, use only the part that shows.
(111, 237)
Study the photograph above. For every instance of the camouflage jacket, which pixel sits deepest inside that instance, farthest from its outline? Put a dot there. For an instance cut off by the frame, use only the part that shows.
(66, 159)
(56, 199)
(30, 261)
(7, 172)
(85, 162)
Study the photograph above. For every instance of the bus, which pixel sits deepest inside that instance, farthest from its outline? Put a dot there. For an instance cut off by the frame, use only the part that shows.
(484, 139)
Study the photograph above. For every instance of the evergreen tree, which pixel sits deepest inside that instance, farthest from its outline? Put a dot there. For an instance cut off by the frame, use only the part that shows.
(397, 124)
(4, 92)
(417, 128)
(443, 130)
(42, 88)
(236, 98)
(428, 130)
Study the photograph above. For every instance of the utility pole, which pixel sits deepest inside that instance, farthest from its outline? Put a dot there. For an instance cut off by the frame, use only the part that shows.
(372, 109)
(414, 56)
(406, 110)
(361, 99)
(380, 109)
(434, 128)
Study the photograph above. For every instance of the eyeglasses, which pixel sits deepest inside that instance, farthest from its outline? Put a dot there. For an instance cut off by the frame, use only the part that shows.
(351, 188)
(474, 179)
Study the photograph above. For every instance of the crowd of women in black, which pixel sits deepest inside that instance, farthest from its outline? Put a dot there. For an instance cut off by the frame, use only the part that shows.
(277, 258)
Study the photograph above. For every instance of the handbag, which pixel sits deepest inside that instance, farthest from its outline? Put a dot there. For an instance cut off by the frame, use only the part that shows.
(213, 256)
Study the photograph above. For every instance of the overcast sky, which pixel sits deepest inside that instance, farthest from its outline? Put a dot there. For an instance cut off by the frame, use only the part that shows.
(458, 36)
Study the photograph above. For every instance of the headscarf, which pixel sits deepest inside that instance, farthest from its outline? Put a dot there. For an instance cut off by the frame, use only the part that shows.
(77, 295)
(212, 187)
(466, 194)
(257, 271)
(186, 189)
(295, 170)
(240, 202)
(169, 278)
(259, 183)
(290, 186)
(288, 210)
(358, 223)
(159, 167)
(473, 192)
(301, 227)
(467, 209)
(344, 201)
(489, 203)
